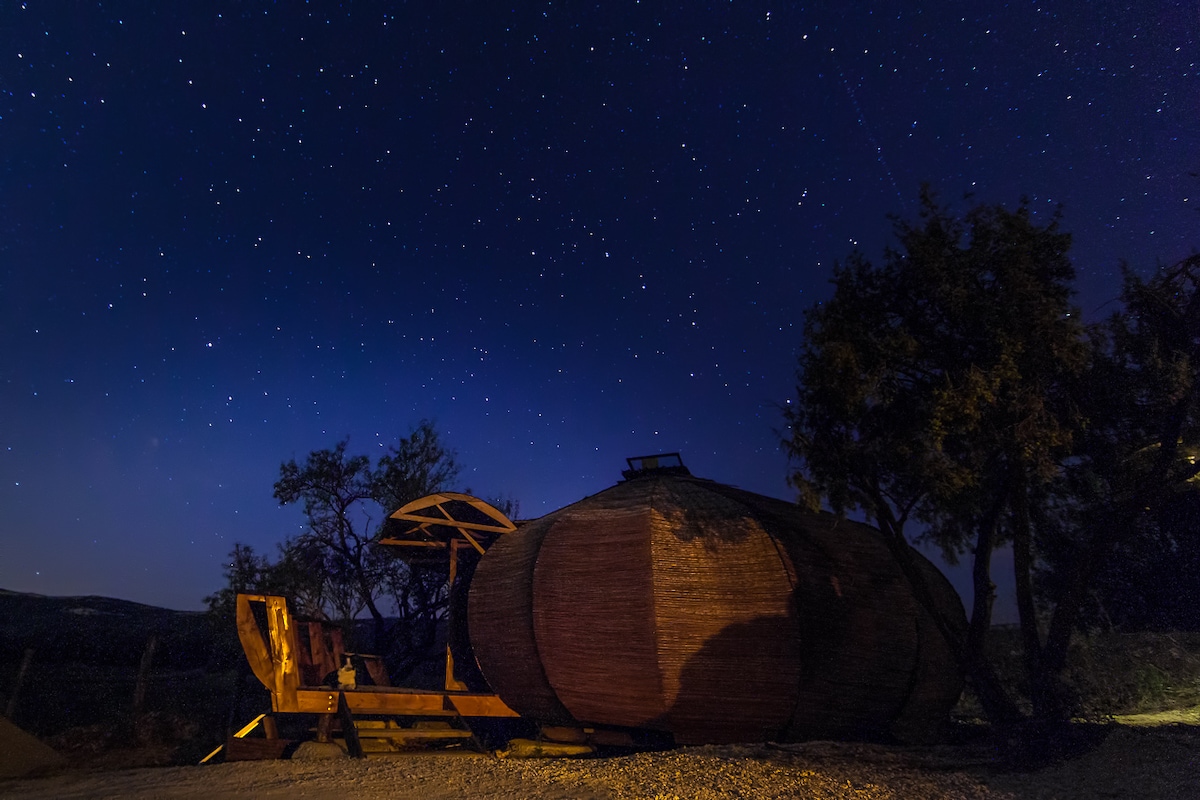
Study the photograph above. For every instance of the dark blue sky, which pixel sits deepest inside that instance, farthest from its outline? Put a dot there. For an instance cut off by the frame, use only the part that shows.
(232, 233)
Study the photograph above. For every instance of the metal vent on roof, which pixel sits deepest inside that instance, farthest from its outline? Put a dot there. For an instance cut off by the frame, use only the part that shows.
(659, 464)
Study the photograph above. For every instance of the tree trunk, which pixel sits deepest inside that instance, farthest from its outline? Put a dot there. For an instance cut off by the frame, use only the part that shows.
(1104, 530)
(997, 705)
(1045, 692)
(972, 659)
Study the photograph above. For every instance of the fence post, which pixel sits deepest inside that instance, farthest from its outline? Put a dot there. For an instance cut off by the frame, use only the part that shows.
(11, 708)
(139, 692)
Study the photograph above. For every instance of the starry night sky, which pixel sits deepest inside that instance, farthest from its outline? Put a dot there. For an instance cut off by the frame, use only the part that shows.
(235, 232)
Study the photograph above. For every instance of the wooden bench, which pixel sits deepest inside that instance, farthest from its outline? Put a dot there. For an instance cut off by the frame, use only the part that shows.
(294, 658)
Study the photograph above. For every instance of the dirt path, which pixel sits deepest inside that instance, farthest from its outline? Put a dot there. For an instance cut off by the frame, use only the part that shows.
(1131, 763)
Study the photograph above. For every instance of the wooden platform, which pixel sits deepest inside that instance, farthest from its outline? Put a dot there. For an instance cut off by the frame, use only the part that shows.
(391, 701)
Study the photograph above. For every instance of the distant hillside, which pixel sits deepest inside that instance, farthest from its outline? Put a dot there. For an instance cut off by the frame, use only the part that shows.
(83, 672)
(101, 630)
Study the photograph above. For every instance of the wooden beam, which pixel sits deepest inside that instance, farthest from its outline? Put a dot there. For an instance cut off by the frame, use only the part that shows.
(430, 704)
(407, 512)
(480, 705)
(410, 543)
(253, 641)
(349, 732)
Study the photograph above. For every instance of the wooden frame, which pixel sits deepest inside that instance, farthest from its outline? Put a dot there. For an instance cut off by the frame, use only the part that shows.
(274, 659)
(453, 521)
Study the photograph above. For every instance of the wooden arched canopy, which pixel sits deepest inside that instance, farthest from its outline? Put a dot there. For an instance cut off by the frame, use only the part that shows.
(448, 520)
(439, 526)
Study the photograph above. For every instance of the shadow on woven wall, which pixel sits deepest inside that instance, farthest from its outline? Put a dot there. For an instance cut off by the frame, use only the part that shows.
(773, 679)
(709, 518)
(739, 686)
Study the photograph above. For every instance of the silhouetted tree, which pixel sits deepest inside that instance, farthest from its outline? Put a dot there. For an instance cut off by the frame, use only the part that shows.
(244, 572)
(1131, 531)
(938, 387)
(332, 569)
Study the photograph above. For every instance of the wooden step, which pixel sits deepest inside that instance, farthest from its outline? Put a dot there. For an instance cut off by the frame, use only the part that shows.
(423, 730)
(413, 734)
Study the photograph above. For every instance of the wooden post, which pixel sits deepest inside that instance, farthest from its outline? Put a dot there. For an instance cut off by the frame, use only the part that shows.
(325, 728)
(11, 708)
(349, 731)
(453, 684)
(139, 692)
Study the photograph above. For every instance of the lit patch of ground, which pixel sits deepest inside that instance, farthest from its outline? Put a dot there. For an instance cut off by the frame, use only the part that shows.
(1175, 716)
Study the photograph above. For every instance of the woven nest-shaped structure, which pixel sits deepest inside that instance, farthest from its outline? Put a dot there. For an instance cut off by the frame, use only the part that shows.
(686, 606)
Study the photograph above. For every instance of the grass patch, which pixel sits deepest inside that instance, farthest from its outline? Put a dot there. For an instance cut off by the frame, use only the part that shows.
(1109, 673)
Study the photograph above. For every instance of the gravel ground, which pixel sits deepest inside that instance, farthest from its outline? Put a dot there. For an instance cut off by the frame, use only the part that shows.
(1160, 762)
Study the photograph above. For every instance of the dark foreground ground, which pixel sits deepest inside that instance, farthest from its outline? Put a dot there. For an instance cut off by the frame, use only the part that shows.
(1124, 762)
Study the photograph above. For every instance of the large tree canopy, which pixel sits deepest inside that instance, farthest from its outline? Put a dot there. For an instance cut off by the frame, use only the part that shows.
(955, 386)
(938, 386)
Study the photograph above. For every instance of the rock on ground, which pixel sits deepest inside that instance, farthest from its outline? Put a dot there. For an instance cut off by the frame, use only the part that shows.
(23, 754)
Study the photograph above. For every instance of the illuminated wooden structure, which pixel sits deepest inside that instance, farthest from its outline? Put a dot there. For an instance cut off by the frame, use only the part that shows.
(667, 603)
(279, 662)
(296, 660)
(458, 528)
(694, 608)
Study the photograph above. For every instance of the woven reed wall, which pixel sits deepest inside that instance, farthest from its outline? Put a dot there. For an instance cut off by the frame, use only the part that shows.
(728, 643)
(936, 685)
(594, 615)
(500, 625)
(874, 661)
(715, 614)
